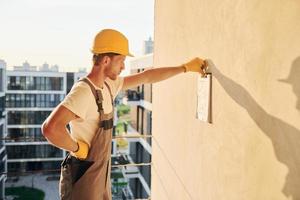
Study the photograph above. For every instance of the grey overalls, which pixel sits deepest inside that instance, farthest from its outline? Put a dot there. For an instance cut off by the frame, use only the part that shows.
(90, 178)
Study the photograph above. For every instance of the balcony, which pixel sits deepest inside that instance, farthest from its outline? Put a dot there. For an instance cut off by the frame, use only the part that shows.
(133, 95)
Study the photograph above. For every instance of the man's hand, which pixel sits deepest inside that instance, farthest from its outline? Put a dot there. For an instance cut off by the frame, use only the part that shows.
(82, 150)
(196, 65)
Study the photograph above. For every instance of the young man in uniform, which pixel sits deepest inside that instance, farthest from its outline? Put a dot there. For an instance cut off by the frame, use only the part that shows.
(88, 109)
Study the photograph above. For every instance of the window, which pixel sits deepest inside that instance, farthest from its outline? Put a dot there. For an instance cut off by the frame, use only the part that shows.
(33, 151)
(26, 117)
(25, 134)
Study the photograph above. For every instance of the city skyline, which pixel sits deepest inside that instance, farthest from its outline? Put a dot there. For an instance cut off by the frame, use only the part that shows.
(61, 32)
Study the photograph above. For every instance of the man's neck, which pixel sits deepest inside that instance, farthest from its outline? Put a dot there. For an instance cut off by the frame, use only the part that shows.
(97, 76)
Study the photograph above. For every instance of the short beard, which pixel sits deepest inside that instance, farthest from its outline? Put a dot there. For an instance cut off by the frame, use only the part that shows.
(113, 77)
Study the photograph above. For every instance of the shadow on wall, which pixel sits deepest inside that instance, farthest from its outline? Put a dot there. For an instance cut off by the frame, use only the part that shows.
(285, 137)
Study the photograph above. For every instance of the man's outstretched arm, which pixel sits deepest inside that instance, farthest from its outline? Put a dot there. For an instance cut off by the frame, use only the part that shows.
(159, 74)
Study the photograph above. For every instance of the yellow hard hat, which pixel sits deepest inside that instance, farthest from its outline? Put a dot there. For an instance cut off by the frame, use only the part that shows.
(111, 41)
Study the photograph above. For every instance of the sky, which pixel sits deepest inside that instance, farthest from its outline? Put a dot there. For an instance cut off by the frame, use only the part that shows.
(62, 31)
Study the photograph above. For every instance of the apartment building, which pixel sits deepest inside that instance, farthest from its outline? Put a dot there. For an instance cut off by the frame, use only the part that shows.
(3, 156)
(31, 94)
(138, 150)
(141, 96)
(148, 46)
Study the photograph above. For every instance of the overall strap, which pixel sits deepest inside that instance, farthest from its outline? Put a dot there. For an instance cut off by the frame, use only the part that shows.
(97, 94)
(105, 124)
(111, 96)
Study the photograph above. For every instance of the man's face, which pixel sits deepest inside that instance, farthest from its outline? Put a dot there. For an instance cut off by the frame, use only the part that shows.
(115, 66)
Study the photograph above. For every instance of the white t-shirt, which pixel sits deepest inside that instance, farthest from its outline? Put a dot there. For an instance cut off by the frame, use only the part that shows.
(81, 102)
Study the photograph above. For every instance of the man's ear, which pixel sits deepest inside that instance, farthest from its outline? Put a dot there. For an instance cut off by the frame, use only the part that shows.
(106, 60)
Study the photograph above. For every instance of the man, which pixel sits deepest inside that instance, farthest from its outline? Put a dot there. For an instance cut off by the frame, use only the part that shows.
(88, 108)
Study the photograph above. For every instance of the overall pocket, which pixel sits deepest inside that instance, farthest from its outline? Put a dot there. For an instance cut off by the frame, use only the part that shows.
(78, 168)
(72, 169)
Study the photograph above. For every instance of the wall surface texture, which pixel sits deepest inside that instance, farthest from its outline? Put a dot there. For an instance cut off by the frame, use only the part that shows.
(251, 151)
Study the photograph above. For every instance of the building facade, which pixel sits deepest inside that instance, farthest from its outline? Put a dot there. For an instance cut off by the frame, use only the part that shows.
(31, 93)
(139, 149)
(30, 97)
(3, 156)
(148, 46)
(254, 137)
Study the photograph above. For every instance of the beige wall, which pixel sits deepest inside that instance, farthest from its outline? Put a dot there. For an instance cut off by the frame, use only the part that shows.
(251, 151)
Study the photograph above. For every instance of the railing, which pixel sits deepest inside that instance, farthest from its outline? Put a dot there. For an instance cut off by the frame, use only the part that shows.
(120, 186)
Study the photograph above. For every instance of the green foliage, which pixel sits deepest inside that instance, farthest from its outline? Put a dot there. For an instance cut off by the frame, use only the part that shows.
(115, 175)
(123, 110)
(120, 184)
(25, 193)
(119, 127)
